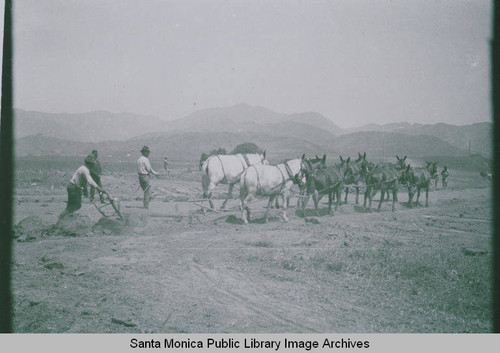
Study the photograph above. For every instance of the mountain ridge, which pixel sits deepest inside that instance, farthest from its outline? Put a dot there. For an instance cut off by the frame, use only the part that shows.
(249, 122)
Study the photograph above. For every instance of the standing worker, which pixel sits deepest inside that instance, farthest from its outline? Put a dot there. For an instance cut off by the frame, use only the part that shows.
(95, 173)
(445, 173)
(144, 169)
(78, 183)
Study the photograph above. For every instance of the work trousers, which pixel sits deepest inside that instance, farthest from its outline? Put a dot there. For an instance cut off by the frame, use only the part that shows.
(144, 181)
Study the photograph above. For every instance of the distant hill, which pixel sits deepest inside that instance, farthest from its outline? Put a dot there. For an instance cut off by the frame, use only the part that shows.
(189, 146)
(479, 134)
(284, 134)
(245, 118)
(378, 144)
(89, 127)
(391, 127)
(39, 145)
(181, 146)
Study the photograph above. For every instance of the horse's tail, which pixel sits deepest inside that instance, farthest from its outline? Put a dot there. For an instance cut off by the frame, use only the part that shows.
(205, 179)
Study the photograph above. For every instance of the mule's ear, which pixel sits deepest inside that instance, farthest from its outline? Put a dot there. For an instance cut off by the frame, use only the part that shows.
(303, 156)
(397, 157)
(324, 159)
(404, 159)
(364, 156)
(264, 154)
(348, 159)
(408, 168)
(341, 159)
(359, 155)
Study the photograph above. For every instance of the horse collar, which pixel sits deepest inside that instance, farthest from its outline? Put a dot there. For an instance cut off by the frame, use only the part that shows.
(288, 170)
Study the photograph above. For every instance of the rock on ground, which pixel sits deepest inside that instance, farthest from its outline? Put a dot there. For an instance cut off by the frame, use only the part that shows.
(29, 229)
(72, 225)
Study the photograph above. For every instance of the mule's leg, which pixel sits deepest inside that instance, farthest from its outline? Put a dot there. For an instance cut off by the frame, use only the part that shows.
(229, 195)
(394, 197)
(245, 213)
(382, 194)
(418, 195)
(366, 195)
(211, 187)
(300, 199)
(357, 195)
(410, 196)
(427, 196)
(346, 193)
(271, 199)
(205, 184)
(330, 201)
(286, 195)
(304, 204)
(316, 202)
(338, 198)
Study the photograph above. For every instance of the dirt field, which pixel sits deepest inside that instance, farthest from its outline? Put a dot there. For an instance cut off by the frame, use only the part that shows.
(174, 269)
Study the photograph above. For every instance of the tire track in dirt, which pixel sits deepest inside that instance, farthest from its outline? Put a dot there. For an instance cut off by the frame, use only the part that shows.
(265, 310)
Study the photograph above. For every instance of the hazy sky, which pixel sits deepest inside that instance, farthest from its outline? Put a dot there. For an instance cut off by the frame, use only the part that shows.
(354, 61)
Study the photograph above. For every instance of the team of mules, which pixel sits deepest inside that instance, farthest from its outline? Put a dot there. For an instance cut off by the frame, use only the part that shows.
(313, 178)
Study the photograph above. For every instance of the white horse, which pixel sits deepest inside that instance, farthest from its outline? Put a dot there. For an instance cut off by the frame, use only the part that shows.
(226, 169)
(269, 180)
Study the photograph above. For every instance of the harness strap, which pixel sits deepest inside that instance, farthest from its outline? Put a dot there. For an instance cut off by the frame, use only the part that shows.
(242, 161)
(247, 161)
(288, 170)
(283, 179)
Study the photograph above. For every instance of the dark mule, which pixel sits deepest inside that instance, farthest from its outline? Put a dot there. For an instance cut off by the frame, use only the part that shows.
(326, 180)
(416, 179)
(384, 177)
(357, 179)
(401, 162)
(310, 165)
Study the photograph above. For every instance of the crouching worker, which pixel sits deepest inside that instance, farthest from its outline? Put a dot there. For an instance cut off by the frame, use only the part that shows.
(78, 183)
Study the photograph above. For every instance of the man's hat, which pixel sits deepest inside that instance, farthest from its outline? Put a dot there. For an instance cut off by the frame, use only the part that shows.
(145, 149)
(90, 159)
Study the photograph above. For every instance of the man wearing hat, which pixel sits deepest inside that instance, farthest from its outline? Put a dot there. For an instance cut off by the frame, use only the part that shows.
(78, 183)
(95, 173)
(144, 169)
